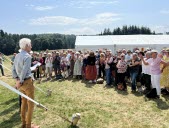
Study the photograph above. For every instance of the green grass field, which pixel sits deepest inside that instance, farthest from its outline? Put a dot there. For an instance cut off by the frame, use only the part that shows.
(99, 107)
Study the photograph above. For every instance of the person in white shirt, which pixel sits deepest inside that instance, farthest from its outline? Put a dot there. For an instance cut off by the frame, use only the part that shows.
(48, 62)
(146, 77)
(64, 66)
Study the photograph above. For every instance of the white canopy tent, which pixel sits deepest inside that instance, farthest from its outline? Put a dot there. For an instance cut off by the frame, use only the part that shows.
(116, 42)
(93, 42)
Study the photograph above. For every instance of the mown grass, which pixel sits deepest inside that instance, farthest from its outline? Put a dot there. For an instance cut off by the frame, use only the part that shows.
(99, 107)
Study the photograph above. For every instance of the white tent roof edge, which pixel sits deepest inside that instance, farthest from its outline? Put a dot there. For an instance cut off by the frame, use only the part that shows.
(115, 42)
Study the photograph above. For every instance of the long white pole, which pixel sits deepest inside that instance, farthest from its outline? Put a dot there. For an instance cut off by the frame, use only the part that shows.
(23, 95)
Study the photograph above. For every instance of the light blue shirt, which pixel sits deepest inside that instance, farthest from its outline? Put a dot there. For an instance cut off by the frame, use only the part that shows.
(21, 67)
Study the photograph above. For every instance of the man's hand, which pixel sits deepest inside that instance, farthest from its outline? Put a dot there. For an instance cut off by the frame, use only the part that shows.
(18, 84)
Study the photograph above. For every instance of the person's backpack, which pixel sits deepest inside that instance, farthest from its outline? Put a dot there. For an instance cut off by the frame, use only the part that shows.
(152, 93)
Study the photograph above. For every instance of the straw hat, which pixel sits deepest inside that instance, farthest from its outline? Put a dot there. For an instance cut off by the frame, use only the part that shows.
(77, 53)
(167, 50)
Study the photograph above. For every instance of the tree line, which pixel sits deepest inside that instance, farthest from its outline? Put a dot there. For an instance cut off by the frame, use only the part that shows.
(41, 42)
(127, 30)
(9, 42)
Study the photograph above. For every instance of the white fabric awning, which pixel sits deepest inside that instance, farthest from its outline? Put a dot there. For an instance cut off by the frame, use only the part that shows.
(122, 40)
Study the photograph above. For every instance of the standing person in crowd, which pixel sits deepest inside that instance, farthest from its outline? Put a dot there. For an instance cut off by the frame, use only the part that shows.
(69, 53)
(40, 59)
(43, 64)
(91, 71)
(164, 81)
(49, 65)
(56, 65)
(35, 61)
(68, 56)
(121, 70)
(102, 65)
(77, 72)
(134, 70)
(108, 64)
(155, 71)
(138, 79)
(1, 64)
(64, 66)
(117, 58)
(13, 58)
(146, 76)
(72, 63)
(22, 73)
(84, 65)
(128, 58)
(97, 54)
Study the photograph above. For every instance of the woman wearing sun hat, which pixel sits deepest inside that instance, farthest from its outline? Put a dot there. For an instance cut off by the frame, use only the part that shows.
(164, 81)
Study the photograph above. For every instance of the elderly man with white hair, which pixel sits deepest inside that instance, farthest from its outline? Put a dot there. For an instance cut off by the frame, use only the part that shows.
(22, 73)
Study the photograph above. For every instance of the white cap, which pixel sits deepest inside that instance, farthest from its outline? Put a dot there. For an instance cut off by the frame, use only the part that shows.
(77, 53)
(154, 51)
(137, 51)
(31, 52)
(19, 50)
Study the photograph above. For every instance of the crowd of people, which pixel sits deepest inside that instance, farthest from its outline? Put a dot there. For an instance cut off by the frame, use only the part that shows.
(148, 69)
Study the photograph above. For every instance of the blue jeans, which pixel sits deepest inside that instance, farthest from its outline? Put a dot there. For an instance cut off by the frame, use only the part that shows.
(108, 76)
(133, 76)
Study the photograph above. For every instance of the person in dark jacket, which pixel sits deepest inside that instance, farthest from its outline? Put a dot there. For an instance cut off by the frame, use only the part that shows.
(91, 71)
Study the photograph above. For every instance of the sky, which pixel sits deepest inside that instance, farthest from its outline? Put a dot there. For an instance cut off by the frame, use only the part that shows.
(81, 16)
